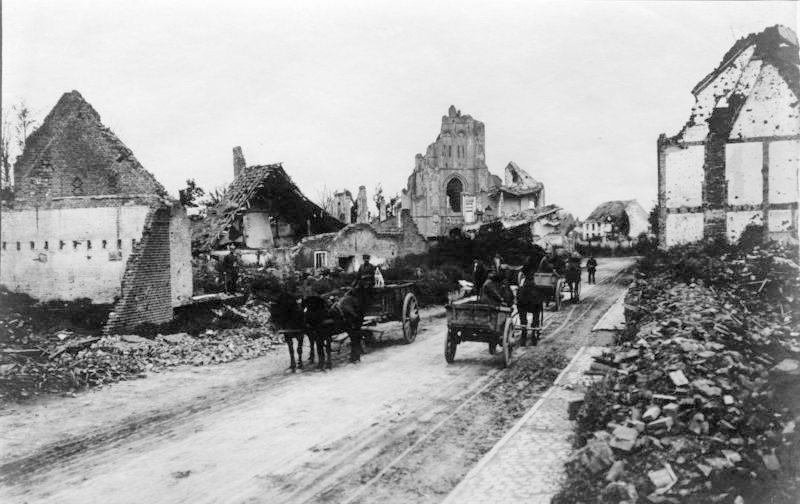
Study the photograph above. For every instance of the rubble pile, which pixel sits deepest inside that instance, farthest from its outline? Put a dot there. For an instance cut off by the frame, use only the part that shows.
(67, 361)
(699, 402)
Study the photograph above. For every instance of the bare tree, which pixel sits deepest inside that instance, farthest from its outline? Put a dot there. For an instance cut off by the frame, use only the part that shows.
(5, 151)
(17, 123)
(326, 201)
(24, 122)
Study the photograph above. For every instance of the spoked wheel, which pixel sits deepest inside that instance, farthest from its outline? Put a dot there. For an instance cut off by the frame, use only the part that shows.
(450, 344)
(557, 293)
(508, 341)
(410, 317)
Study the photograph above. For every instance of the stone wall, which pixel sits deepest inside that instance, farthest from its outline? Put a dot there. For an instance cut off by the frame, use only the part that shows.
(355, 240)
(146, 293)
(68, 253)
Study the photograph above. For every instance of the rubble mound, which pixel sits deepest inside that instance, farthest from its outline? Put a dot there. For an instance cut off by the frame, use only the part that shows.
(699, 402)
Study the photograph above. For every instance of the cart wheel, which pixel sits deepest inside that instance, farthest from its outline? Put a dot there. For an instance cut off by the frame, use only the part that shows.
(450, 344)
(557, 294)
(507, 342)
(410, 317)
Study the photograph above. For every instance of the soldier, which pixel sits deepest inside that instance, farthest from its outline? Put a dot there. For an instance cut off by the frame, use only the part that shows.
(230, 269)
(364, 282)
(591, 267)
(492, 291)
(479, 275)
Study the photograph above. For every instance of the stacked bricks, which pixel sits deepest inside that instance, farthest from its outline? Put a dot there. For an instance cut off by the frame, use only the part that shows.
(146, 287)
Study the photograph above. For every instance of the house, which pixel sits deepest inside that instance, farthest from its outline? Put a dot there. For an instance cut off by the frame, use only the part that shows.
(344, 248)
(613, 220)
(262, 209)
(88, 221)
(735, 162)
(451, 185)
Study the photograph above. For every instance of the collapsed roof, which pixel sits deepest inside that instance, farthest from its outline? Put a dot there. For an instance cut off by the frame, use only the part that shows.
(272, 185)
(517, 182)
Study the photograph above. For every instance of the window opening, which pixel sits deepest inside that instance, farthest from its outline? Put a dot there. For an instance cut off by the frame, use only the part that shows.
(454, 190)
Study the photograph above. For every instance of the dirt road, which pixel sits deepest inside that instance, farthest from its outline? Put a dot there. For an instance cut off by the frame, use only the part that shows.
(401, 426)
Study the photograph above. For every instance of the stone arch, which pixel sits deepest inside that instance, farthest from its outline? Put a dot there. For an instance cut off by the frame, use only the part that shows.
(454, 188)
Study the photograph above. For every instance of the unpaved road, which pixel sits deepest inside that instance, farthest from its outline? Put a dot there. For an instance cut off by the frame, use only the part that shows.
(401, 426)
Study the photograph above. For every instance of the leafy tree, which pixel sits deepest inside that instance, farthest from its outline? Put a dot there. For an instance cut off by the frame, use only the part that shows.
(190, 196)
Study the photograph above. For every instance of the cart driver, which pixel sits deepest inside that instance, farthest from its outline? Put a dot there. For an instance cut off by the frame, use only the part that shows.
(492, 291)
(364, 282)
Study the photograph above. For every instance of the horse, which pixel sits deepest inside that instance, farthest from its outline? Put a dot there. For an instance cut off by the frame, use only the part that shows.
(325, 317)
(572, 275)
(287, 313)
(530, 300)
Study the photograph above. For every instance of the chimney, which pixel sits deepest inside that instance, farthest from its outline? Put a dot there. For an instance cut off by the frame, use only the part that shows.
(239, 164)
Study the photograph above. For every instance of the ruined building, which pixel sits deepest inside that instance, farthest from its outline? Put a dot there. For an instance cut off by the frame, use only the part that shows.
(261, 209)
(88, 221)
(615, 220)
(451, 184)
(735, 162)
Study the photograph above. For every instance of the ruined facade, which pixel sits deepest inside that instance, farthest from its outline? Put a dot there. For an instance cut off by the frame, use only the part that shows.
(344, 248)
(735, 162)
(451, 184)
(261, 209)
(615, 220)
(88, 221)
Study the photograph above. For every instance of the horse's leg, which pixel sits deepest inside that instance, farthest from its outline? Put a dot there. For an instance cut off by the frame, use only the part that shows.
(312, 338)
(300, 336)
(320, 349)
(289, 343)
(328, 339)
(523, 319)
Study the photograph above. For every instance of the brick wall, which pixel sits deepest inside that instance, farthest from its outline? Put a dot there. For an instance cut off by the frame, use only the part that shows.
(146, 291)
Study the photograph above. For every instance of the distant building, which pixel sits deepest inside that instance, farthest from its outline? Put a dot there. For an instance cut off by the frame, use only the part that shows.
(735, 162)
(344, 249)
(451, 184)
(88, 221)
(615, 220)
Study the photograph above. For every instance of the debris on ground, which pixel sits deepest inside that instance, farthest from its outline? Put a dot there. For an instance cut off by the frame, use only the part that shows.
(700, 397)
(34, 360)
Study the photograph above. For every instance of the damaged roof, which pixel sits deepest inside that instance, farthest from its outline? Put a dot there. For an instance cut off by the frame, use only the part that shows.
(776, 45)
(609, 209)
(73, 154)
(517, 182)
(274, 184)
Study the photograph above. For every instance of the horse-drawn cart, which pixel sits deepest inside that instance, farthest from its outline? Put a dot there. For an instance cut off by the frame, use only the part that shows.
(471, 321)
(395, 302)
(550, 285)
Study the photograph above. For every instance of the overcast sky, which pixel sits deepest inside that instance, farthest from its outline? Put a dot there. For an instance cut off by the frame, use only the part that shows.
(346, 93)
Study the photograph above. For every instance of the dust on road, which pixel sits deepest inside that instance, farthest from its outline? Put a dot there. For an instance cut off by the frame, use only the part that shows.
(400, 426)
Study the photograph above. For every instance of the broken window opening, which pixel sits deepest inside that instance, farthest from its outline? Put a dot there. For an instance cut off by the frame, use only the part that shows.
(454, 190)
(33, 245)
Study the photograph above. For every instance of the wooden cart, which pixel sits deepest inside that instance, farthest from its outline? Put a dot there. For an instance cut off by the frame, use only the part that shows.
(472, 321)
(551, 285)
(395, 302)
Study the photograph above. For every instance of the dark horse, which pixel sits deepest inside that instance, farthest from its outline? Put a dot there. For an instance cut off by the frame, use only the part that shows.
(530, 300)
(319, 319)
(572, 275)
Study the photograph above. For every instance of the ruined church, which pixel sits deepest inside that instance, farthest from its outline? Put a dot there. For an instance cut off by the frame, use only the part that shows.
(451, 185)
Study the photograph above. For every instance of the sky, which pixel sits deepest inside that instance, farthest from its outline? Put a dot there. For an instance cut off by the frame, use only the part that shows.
(346, 93)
